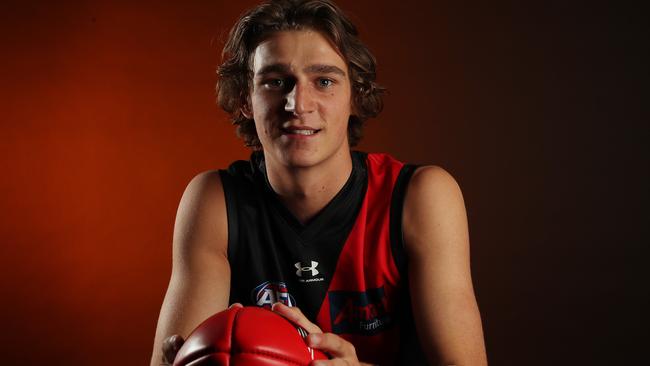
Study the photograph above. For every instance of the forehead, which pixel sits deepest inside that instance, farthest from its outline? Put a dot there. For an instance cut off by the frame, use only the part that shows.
(297, 49)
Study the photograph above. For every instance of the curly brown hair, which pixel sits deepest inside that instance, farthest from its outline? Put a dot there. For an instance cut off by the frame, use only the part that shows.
(235, 73)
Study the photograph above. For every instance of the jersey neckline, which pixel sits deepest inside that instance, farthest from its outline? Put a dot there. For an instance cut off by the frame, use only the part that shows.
(344, 205)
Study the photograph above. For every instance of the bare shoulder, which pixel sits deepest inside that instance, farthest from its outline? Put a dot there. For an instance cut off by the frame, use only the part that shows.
(431, 190)
(201, 221)
(433, 180)
(203, 185)
(433, 207)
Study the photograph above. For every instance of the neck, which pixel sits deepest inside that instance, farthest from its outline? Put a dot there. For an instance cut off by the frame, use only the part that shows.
(305, 191)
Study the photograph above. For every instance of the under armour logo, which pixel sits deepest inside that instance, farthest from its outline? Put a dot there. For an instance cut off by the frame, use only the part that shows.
(302, 268)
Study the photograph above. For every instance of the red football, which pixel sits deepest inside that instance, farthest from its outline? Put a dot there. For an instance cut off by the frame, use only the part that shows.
(244, 337)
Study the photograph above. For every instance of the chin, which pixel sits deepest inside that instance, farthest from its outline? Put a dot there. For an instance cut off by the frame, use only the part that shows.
(303, 155)
(301, 160)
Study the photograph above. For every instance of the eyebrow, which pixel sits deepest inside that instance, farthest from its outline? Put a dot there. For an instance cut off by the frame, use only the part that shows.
(324, 69)
(311, 69)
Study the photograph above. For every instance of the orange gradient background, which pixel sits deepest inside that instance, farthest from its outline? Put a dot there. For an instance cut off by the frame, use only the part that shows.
(108, 110)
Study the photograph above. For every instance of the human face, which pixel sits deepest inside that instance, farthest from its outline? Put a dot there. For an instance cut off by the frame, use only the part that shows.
(300, 99)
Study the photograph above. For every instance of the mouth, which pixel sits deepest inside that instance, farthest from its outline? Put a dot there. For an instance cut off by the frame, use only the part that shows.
(300, 131)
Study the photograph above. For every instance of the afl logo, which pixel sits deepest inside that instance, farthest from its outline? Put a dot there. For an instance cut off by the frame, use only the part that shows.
(268, 293)
(302, 268)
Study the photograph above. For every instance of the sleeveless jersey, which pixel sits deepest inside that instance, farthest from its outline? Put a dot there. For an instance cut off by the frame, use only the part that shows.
(345, 269)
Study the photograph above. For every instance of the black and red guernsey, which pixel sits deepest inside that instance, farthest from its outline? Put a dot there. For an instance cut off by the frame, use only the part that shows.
(345, 268)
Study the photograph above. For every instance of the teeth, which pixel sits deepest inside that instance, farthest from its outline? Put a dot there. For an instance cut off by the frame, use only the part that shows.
(303, 132)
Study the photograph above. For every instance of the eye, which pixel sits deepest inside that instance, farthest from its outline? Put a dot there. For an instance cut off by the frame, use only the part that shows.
(274, 83)
(325, 83)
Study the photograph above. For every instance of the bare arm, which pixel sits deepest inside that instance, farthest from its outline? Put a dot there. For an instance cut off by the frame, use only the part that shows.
(437, 242)
(200, 280)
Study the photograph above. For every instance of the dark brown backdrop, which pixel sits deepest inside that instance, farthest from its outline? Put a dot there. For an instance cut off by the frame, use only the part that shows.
(107, 111)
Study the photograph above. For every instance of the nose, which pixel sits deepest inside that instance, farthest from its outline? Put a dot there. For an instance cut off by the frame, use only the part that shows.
(299, 100)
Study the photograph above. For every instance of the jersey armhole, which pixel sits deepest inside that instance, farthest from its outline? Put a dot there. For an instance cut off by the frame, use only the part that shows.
(409, 349)
(396, 210)
(231, 212)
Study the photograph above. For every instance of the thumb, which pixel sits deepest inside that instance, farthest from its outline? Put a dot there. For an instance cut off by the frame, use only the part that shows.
(170, 348)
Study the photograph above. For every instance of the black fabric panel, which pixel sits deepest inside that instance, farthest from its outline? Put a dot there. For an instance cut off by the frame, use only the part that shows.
(269, 243)
(410, 350)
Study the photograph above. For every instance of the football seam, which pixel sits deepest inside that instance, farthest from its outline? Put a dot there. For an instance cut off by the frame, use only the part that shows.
(232, 329)
(264, 353)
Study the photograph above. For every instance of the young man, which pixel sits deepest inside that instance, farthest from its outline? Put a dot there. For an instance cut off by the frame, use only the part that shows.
(369, 255)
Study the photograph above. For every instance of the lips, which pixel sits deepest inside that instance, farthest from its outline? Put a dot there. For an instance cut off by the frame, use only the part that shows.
(300, 130)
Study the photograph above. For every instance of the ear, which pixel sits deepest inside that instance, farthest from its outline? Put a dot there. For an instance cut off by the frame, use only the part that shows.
(246, 110)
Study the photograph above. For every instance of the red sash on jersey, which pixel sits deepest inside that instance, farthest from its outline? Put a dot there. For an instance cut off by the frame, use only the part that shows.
(361, 302)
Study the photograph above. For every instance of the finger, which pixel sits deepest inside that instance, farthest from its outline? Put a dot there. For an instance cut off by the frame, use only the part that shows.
(334, 362)
(235, 305)
(332, 344)
(296, 316)
(170, 348)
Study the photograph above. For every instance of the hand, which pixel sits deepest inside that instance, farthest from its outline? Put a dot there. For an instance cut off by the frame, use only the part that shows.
(170, 348)
(342, 351)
